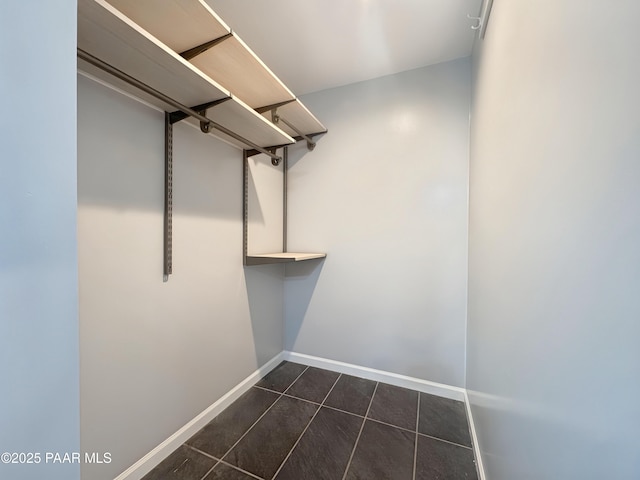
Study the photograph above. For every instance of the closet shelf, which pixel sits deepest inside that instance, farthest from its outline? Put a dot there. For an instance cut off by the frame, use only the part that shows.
(281, 257)
(180, 56)
(211, 46)
(107, 34)
(276, 257)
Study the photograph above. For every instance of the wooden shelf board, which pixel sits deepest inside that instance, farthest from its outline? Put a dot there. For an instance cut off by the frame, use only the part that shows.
(282, 257)
(179, 24)
(110, 36)
(184, 24)
(244, 121)
(233, 65)
(107, 34)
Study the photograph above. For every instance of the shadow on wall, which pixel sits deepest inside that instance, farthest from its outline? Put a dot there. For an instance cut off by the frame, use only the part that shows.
(263, 284)
(256, 215)
(299, 150)
(121, 163)
(300, 281)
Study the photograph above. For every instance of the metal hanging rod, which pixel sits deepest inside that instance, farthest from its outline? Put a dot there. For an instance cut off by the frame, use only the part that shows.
(205, 123)
(251, 153)
(277, 118)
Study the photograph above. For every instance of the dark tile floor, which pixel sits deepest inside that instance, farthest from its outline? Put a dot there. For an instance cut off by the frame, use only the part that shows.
(305, 423)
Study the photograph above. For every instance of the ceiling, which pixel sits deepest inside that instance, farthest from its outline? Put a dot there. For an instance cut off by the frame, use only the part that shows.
(317, 44)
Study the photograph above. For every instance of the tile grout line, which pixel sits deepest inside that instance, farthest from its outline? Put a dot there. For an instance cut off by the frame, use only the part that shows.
(249, 429)
(266, 389)
(210, 470)
(246, 472)
(289, 395)
(305, 428)
(212, 457)
(364, 420)
(359, 416)
(297, 378)
(391, 425)
(322, 404)
(206, 455)
(331, 407)
(330, 390)
(445, 441)
(387, 424)
(415, 448)
(342, 411)
(261, 416)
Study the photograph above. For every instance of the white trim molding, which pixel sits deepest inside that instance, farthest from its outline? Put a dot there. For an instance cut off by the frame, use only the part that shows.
(474, 439)
(425, 386)
(162, 451)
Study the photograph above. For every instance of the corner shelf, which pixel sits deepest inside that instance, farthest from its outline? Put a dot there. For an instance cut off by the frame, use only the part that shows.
(178, 55)
(276, 257)
(284, 257)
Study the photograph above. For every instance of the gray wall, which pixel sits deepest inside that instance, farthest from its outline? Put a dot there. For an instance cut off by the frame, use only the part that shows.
(154, 354)
(38, 263)
(385, 195)
(554, 272)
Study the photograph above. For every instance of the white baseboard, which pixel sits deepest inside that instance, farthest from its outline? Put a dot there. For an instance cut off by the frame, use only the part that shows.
(162, 451)
(474, 438)
(439, 389)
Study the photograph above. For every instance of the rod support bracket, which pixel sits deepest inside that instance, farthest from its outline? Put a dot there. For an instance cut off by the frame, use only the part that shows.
(205, 127)
(275, 161)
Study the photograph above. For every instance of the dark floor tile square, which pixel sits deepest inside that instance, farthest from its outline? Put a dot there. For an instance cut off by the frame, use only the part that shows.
(268, 443)
(351, 394)
(225, 472)
(219, 435)
(314, 384)
(444, 461)
(395, 405)
(183, 464)
(281, 377)
(383, 452)
(444, 418)
(324, 450)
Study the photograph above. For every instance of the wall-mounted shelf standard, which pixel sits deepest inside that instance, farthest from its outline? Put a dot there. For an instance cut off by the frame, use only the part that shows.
(275, 257)
(180, 56)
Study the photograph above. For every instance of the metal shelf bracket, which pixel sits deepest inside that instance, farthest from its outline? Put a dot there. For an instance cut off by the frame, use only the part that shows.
(195, 51)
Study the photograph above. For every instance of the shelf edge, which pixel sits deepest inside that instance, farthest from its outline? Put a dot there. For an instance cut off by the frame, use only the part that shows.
(273, 258)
